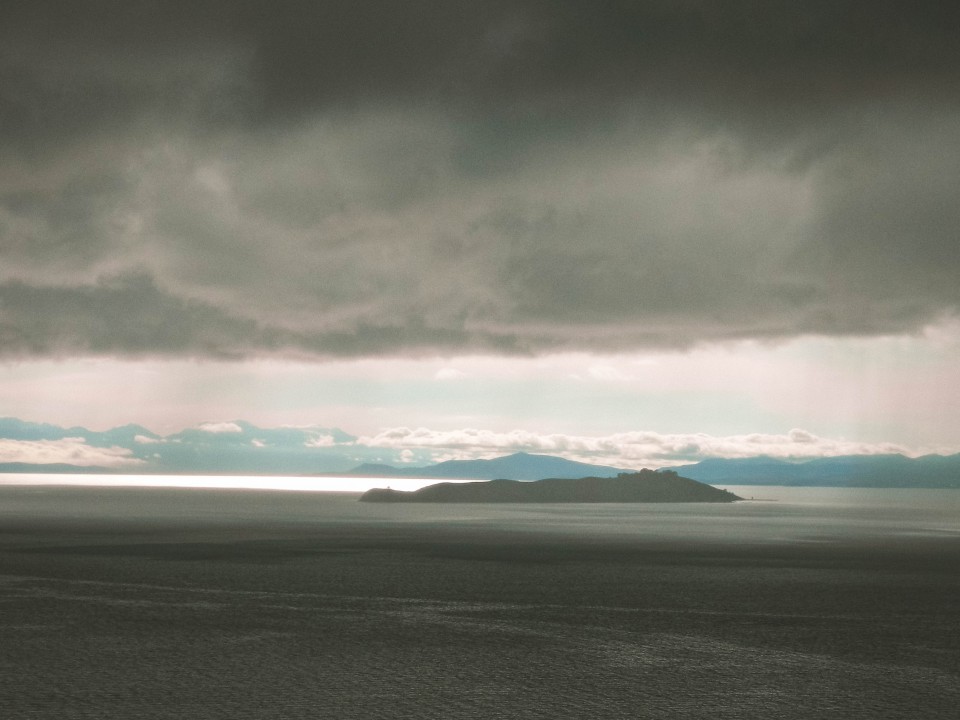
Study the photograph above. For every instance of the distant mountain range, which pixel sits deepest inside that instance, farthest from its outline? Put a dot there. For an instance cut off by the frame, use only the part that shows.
(236, 447)
(519, 466)
(645, 486)
(241, 448)
(929, 471)
(879, 471)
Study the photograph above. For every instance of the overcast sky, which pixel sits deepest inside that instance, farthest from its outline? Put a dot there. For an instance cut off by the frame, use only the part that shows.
(551, 216)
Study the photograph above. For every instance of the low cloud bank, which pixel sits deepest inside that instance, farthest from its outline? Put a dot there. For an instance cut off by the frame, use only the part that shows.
(629, 449)
(71, 451)
(314, 449)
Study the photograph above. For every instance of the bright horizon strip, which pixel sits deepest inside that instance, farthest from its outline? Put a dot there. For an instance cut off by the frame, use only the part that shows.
(226, 482)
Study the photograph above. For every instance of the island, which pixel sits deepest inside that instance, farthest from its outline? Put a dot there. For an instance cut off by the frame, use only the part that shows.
(645, 486)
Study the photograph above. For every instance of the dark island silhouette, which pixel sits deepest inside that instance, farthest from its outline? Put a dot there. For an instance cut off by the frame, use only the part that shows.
(645, 486)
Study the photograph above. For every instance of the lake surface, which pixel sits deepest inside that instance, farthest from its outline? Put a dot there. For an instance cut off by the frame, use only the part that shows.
(122, 602)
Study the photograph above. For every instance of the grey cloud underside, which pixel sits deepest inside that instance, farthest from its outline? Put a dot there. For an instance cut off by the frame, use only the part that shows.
(358, 178)
(130, 316)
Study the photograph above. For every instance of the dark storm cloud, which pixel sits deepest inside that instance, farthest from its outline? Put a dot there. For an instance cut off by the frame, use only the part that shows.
(126, 316)
(350, 178)
(131, 316)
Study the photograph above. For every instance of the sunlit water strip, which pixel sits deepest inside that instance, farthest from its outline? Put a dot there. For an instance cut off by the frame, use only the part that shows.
(235, 482)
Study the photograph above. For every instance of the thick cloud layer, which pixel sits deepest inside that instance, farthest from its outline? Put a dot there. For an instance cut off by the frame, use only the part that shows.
(233, 179)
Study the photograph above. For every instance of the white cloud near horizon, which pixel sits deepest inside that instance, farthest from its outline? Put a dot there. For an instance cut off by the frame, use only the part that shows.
(630, 450)
(220, 427)
(322, 441)
(72, 451)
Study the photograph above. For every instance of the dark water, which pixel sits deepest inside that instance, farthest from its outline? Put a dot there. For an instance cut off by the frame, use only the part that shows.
(161, 603)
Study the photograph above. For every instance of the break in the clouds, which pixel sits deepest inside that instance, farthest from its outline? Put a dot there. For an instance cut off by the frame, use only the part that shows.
(222, 179)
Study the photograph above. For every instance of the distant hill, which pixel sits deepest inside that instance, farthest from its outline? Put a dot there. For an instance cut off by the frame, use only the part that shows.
(880, 471)
(645, 486)
(519, 466)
